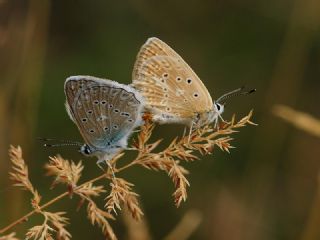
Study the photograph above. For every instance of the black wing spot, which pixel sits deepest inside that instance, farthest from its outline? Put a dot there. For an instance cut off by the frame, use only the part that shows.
(165, 75)
(130, 120)
(84, 119)
(110, 106)
(103, 102)
(96, 102)
(91, 131)
(116, 110)
(90, 112)
(105, 128)
(196, 95)
(189, 81)
(115, 126)
(178, 79)
(125, 114)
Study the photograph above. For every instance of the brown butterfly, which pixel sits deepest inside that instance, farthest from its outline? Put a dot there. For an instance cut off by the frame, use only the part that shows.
(173, 93)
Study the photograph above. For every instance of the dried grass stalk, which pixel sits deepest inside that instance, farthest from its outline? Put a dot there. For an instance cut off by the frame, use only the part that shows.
(180, 182)
(180, 150)
(99, 217)
(11, 236)
(65, 171)
(121, 193)
(89, 190)
(300, 120)
(20, 175)
(53, 223)
(201, 140)
(187, 225)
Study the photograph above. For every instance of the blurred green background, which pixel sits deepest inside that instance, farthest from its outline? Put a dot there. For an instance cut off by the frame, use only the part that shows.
(267, 188)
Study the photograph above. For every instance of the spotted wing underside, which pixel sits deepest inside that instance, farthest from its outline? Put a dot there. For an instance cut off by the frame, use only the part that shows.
(170, 87)
(104, 111)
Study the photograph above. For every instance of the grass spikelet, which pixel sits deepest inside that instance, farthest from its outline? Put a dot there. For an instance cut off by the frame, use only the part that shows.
(65, 171)
(99, 217)
(121, 193)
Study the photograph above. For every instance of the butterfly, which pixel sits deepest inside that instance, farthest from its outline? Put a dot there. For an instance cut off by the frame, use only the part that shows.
(172, 91)
(105, 112)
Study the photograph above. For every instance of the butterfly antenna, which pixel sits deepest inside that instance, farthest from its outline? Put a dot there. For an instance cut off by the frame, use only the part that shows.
(61, 143)
(57, 140)
(236, 92)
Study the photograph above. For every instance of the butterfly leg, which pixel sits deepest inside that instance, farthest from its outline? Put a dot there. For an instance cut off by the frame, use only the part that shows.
(131, 149)
(99, 164)
(111, 169)
(216, 121)
(190, 132)
(221, 118)
(184, 132)
(136, 131)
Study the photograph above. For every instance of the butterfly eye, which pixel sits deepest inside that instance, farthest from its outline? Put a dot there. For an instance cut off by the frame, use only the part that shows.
(218, 106)
(87, 151)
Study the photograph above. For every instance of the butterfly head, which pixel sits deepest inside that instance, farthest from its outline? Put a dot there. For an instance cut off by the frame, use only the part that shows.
(219, 104)
(218, 108)
(210, 116)
(86, 150)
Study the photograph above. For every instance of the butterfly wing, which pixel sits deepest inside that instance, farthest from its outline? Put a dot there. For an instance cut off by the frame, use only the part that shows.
(104, 111)
(152, 47)
(170, 87)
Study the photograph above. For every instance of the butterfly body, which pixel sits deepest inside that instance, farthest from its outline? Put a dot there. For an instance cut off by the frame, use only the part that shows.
(105, 112)
(197, 119)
